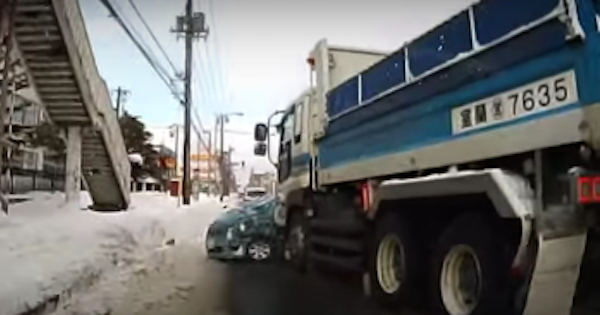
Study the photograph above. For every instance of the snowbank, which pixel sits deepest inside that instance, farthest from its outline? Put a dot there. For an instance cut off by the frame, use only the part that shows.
(48, 249)
(156, 277)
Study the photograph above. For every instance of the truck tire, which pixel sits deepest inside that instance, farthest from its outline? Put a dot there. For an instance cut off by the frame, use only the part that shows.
(296, 243)
(395, 264)
(471, 270)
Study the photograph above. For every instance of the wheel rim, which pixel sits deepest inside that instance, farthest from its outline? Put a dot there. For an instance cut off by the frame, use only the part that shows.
(460, 280)
(390, 264)
(259, 251)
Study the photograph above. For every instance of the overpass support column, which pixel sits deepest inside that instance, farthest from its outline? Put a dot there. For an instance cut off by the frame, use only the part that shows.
(73, 167)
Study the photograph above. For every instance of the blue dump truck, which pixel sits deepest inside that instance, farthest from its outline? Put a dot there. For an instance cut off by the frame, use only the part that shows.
(459, 172)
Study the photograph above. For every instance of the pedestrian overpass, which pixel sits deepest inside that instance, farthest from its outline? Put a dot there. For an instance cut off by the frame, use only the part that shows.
(55, 49)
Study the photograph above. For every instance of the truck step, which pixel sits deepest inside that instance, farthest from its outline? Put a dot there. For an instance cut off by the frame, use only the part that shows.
(346, 244)
(351, 263)
(338, 227)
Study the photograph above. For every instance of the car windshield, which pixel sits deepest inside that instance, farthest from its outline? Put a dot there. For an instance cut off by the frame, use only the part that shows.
(261, 205)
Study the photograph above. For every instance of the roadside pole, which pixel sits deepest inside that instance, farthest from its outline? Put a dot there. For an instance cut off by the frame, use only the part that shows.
(121, 94)
(192, 26)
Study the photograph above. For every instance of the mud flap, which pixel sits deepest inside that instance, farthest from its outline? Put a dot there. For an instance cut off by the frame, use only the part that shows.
(555, 276)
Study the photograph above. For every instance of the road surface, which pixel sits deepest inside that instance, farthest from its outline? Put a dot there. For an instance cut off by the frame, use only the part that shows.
(179, 280)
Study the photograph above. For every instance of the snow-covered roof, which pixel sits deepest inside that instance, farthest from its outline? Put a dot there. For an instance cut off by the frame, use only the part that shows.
(147, 180)
(136, 158)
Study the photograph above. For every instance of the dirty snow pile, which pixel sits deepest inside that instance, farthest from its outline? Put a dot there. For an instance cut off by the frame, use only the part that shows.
(49, 251)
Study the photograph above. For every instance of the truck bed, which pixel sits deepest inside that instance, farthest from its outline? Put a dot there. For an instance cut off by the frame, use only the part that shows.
(502, 77)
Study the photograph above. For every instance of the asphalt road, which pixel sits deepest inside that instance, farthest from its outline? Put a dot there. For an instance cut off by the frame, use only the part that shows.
(261, 289)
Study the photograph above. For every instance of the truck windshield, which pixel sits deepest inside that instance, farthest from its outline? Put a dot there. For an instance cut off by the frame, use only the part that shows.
(288, 125)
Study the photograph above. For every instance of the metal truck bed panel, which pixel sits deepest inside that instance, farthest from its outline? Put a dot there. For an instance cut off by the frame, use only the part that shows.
(474, 30)
(463, 125)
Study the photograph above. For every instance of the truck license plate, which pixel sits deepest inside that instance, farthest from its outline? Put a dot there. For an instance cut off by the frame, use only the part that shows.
(546, 94)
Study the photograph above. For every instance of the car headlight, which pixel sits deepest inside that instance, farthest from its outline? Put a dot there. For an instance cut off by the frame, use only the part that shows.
(242, 227)
(229, 234)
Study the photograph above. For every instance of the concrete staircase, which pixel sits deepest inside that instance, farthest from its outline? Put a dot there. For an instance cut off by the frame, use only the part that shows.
(53, 42)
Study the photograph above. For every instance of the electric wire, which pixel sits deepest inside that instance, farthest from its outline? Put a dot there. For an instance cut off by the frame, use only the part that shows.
(167, 80)
(153, 36)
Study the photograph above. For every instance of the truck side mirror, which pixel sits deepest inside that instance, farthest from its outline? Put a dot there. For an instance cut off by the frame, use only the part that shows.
(261, 132)
(260, 149)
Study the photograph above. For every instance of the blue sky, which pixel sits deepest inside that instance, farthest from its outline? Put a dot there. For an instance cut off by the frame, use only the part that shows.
(254, 58)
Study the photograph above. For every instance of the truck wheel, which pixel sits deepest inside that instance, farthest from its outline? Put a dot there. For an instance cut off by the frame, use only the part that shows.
(296, 243)
(394, 263)
(470, 269)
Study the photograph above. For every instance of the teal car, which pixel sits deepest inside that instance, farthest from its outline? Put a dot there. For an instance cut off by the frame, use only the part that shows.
(245, 232)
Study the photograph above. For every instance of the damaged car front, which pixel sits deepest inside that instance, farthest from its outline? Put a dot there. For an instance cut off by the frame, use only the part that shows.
(246, 232)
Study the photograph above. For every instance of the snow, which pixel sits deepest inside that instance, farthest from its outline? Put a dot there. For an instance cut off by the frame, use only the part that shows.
(160, 276)
(136, 158)
(50, 249)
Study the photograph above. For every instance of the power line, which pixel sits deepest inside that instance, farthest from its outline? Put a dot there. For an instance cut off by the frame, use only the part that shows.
(160, 47)
(202, 84)
(153, 63)
(212, 84)
(217, 49)
(163, 75)
(140, 39)
(214, 74)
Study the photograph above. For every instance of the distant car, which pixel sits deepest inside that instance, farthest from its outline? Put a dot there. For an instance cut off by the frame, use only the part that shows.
(246, 232)
(253, 193)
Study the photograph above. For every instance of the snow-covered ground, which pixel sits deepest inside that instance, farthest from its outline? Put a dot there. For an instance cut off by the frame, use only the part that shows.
(52, 251)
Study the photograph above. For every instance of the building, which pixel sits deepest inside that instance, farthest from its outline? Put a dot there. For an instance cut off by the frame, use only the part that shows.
(28, 167)
(203, 162)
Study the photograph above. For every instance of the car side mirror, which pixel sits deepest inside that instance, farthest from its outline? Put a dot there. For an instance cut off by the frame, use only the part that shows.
(260, 149)
(261, 132)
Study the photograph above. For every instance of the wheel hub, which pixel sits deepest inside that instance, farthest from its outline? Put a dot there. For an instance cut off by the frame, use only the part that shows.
(390, 264)
(460, 281)
(259, 251)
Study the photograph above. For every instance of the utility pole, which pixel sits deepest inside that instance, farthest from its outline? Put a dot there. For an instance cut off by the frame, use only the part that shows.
(216, 157)
(175, 134)
(188, 104)
(210, 154)
(193, 27)
(221, 121)
(223, 118)
(121, 94)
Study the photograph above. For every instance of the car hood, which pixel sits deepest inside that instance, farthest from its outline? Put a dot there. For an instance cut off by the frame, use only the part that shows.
(262, 209)
(231, 217)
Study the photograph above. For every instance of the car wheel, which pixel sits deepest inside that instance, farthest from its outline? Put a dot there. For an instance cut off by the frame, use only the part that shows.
(259, 251)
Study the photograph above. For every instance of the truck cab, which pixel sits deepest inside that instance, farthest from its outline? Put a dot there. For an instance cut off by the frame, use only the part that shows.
(293, 147)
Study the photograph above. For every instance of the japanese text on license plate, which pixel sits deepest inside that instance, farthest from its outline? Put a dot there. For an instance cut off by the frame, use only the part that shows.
(549, 93)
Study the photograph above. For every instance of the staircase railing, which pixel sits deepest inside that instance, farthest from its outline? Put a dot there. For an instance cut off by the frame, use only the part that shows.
(96, 97)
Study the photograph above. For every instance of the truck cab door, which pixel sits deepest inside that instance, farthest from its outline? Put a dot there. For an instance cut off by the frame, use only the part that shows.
(285, 146)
